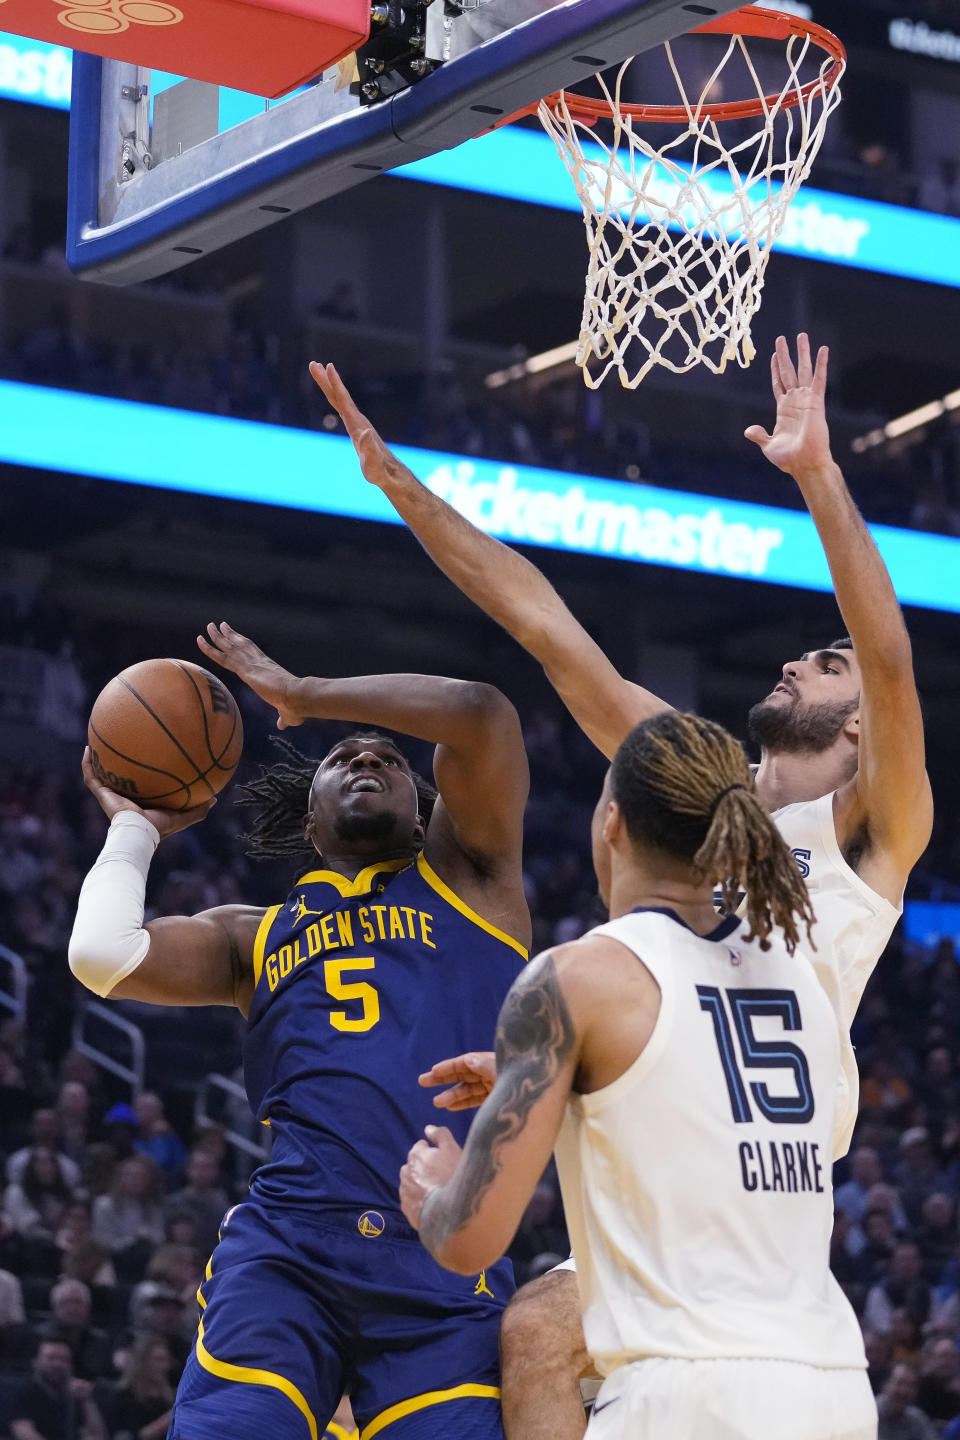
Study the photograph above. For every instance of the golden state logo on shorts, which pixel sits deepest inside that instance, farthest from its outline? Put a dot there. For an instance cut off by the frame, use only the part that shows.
(371, 1224)
(112, 17)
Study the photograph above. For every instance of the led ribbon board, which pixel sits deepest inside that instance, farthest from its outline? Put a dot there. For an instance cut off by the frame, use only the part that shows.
(31, 70)
(275, 465)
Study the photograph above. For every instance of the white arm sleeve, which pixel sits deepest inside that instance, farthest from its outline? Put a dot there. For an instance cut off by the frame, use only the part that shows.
(108, 940)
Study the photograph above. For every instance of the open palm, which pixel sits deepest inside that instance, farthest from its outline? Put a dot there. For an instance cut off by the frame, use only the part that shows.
(264, 676)
(800, 439)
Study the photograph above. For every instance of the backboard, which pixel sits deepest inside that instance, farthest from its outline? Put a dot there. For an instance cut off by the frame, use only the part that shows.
(163, 170)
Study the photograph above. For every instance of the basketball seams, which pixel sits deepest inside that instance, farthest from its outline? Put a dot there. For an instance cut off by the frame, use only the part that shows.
(203, 709)
(171, 714)
(165, 728)
(187, 785)
(132, 759)
(216, 761)
(142, 765)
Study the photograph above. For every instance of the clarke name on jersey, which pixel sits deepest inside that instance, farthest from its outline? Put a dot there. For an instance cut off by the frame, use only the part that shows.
(790, 1166)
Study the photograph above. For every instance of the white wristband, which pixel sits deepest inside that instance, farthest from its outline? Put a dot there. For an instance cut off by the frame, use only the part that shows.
(108, 940)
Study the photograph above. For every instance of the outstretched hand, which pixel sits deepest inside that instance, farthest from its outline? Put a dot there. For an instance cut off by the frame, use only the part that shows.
(470, 1077)
(165, 822)
(801, 440)
(264, 676)
(378, 464)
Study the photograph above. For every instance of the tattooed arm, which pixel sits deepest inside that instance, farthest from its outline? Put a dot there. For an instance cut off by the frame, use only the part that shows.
(467, 1205)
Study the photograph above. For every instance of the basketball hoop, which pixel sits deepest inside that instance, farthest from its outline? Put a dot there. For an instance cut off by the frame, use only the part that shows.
(680, 233)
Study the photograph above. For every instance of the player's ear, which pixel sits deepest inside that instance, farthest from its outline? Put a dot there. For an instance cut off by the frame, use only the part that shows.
(851, 727)
(612, 822)
(420, 830)
(309, 831)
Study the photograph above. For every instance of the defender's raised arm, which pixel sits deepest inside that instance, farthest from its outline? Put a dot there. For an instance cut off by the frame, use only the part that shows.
(512, 591)
(888, 804)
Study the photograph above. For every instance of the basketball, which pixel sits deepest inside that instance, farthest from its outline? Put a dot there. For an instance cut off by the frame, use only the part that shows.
(165, 733)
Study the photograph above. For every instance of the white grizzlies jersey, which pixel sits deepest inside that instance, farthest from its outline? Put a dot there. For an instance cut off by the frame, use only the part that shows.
(853, 921)
(697, 1186)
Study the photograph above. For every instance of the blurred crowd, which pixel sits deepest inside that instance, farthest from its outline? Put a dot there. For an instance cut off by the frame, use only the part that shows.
(111, 1200)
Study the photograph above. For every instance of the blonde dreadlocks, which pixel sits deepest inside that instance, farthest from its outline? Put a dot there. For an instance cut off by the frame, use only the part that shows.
(684, 787)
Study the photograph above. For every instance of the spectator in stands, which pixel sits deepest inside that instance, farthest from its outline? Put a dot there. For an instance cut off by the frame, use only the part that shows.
(201, 1198)
(181, 1230)
(128, 1222)
(72, 1111)
(937, 1233)
(121, 1128)
(173, 1267)
(865, 1172)
(11, 1300)
(70, 1321)
(52, 1404)
(939, 1087)
(879, 1352)
(887, 1198)
(211, 1137)
(15, 1096)
(34, 1206)
(902, 1288)
(81, 1258)
(159, 1140)
(918, 1173)
(45, 1131)
(883, 1088)
(140, 1408)
(99, 1169)
(842, 1263)
(938, 1393)
(899, 1417)
(159, 1312)
(906, 1337)
(16, 1337)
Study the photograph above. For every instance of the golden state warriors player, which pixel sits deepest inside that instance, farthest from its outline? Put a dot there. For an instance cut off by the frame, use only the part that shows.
(400, 943)
(842, 769)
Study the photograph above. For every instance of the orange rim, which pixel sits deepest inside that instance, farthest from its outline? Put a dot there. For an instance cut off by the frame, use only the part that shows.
(752, 21)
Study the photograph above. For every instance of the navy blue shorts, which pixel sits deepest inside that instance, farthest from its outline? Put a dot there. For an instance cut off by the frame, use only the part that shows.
(299, 1307)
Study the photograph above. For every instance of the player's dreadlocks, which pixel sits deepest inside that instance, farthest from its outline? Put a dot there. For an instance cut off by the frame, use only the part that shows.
(684, 787)
(281, 793)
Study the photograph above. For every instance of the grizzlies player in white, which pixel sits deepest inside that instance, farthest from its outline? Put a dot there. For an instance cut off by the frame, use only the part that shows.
(842, 770)
(695, 1169)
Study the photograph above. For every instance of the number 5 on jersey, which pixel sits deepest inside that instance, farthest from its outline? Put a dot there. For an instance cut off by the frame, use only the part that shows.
(333, 972)
(745, 1007)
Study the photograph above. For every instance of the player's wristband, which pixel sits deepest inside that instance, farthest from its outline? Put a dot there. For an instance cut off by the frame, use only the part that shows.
(108, 940)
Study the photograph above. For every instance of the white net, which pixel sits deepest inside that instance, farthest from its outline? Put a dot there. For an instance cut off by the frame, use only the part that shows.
(680, 233)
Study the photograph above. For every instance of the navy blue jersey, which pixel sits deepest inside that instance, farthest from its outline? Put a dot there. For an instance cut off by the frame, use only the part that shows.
(361, 986)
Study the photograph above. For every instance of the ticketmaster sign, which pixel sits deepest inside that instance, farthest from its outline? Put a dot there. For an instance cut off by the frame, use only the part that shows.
(274, 465)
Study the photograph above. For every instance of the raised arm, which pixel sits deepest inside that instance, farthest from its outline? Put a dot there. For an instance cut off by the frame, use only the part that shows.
(205, 959)
(890, 797)
(467, 1205)
(480, 764)
(512, 591)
